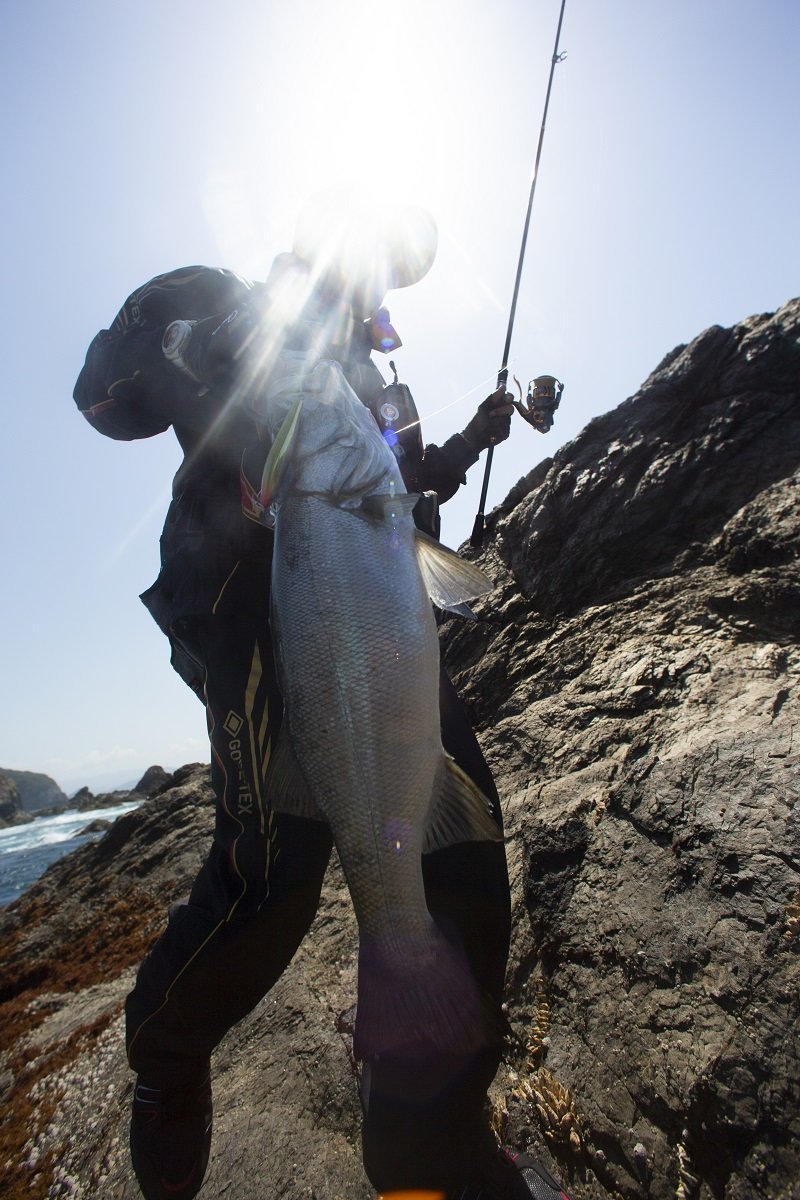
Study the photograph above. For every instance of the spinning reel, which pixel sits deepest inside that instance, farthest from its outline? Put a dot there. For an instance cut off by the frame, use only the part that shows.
(541, 402)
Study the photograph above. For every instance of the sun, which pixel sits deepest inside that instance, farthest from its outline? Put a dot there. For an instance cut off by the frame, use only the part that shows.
(363, 103)
(375, 98)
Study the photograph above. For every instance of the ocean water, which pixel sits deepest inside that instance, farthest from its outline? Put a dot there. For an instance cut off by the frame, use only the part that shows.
(26, 851)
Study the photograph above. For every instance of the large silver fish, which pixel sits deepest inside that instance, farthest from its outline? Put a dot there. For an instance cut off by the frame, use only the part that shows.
(358, 657)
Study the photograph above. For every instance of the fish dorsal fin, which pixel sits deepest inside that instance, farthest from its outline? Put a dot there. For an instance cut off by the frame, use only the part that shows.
(385, 506)
(451, 581)
(279, 453)
(287, 789)
(460, 812)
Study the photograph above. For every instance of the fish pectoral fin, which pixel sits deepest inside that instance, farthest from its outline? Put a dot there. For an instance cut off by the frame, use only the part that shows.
(450, 580)
(279, 453)
(384, 506)
(460, 812)
(287, 789)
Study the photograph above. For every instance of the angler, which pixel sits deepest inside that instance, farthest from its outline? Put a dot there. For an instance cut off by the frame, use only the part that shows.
(197, 349)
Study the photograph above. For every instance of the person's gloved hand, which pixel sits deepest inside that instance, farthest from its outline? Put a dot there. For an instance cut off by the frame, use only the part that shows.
(492, 422)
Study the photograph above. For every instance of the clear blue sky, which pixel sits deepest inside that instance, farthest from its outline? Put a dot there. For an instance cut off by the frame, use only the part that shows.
(142, 137)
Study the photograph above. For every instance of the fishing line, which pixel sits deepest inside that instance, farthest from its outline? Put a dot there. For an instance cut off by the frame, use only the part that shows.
(476, 540)
(428, 416)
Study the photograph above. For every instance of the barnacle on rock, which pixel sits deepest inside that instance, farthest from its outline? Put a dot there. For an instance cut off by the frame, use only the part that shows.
(599, 809)
(541, 1023)
(792, 920)
(556, 1108)
(687, 1180)
(640, 1157)
(498, 1119)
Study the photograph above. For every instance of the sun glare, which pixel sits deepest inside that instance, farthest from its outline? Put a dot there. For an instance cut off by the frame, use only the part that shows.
(378, 98)
(365, 102)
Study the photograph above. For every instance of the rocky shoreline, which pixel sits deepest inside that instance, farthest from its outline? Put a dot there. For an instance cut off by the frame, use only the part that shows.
(634, 679)
(21, 796)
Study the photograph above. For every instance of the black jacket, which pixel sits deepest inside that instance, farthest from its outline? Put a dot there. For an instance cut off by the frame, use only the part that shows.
(128, 389)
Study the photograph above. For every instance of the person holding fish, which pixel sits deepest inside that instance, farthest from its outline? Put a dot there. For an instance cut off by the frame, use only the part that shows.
(299, 562)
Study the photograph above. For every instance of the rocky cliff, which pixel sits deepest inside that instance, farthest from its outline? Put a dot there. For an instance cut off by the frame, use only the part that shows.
(11, 809)
(38, 792)
(634, 681)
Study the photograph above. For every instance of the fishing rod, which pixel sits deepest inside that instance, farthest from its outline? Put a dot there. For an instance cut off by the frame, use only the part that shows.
(544, 392)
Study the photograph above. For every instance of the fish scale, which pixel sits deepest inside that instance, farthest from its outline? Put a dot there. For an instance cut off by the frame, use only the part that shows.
(358, 685)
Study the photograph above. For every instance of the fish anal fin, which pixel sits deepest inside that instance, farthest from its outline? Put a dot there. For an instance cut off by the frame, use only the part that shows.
(460, 812)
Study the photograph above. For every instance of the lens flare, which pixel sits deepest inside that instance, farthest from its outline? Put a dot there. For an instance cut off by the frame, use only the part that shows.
(412, 1196)
(365, 244)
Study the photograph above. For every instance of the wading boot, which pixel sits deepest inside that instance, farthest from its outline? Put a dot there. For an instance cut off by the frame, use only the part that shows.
(171, 1137)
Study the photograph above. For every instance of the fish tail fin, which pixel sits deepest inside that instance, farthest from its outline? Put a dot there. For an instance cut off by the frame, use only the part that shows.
(422, 1009)
(451, 580)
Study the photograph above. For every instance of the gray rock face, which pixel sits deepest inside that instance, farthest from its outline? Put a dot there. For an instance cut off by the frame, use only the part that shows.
(152, 781)
(634, 682)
